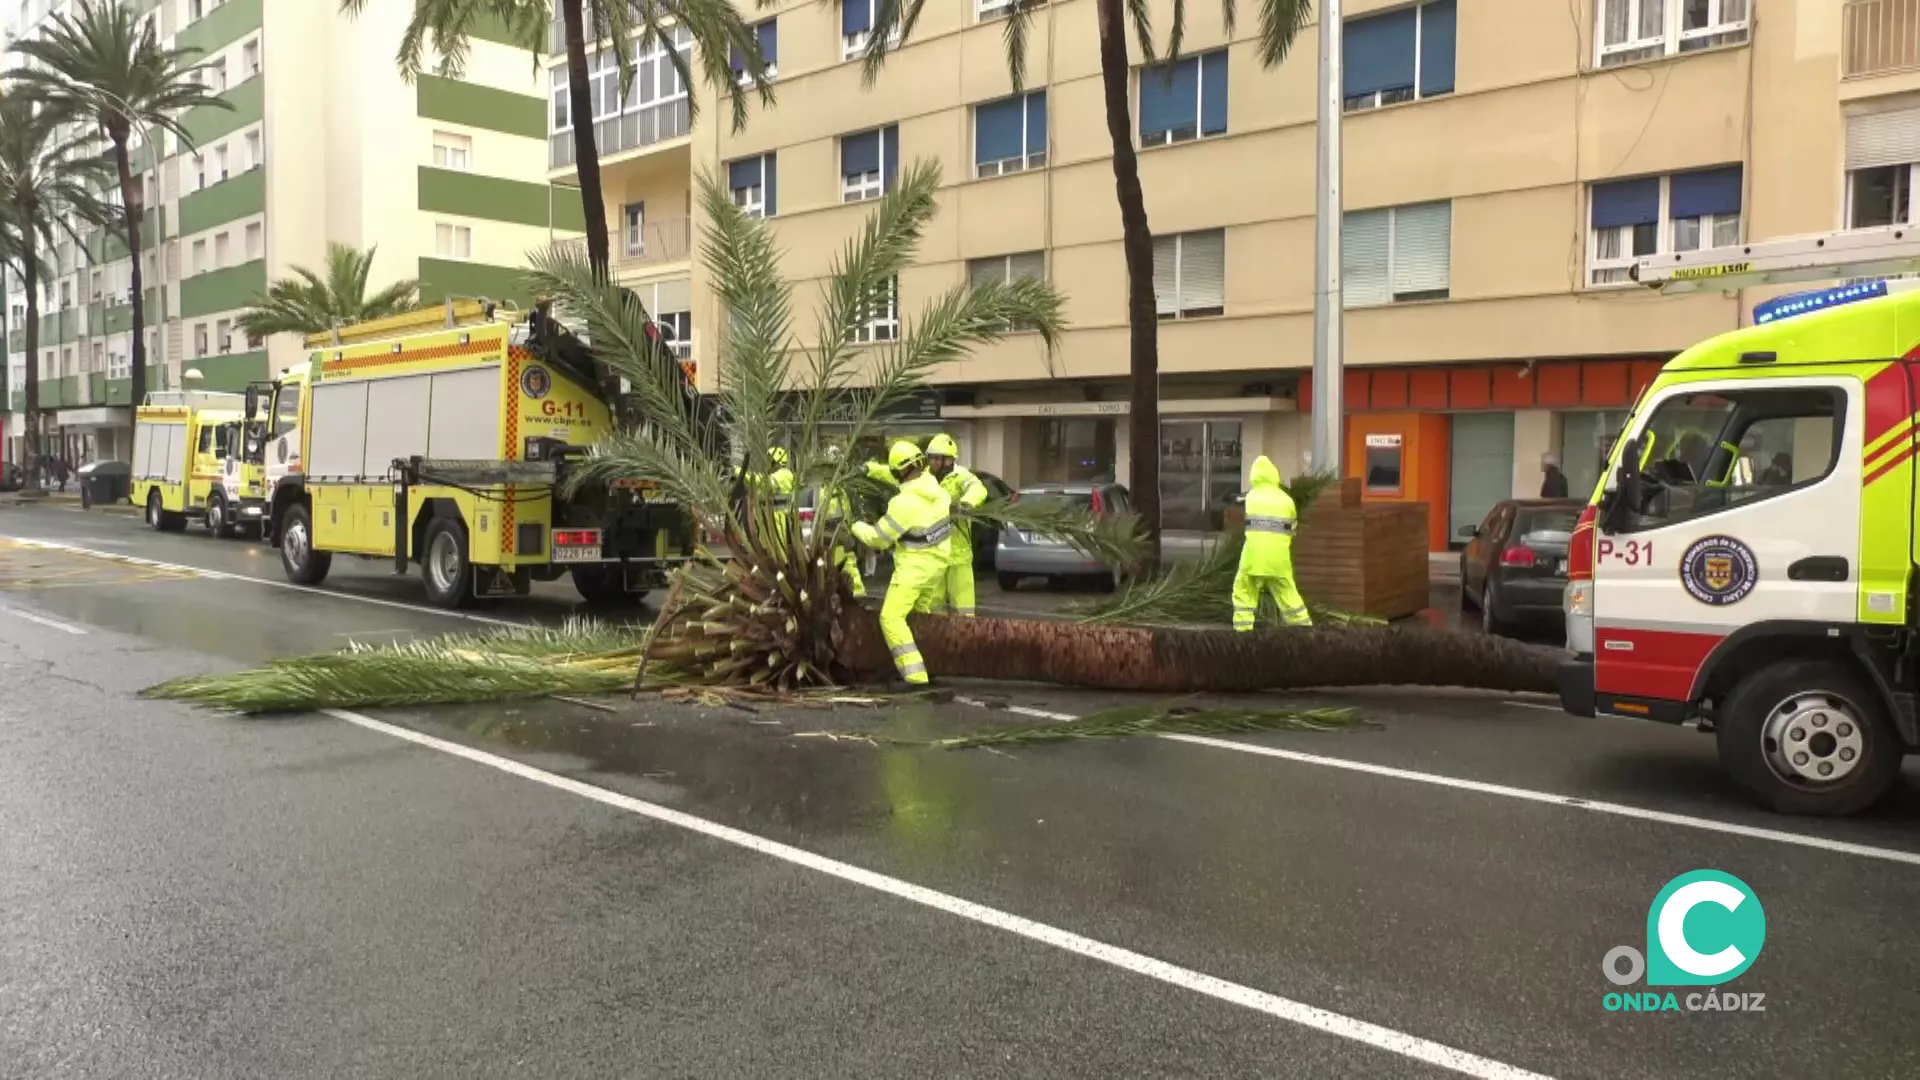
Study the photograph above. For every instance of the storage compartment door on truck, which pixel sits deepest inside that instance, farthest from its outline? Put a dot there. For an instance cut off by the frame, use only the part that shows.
(1750, 514)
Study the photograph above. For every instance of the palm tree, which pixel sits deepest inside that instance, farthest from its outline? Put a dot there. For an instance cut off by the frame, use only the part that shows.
(48, 177)
(718, 31)
(1280, 22)
(105, 63)
(310, 303)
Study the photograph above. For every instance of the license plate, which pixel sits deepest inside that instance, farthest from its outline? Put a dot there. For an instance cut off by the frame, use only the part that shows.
(1560, 566)
(572, 553)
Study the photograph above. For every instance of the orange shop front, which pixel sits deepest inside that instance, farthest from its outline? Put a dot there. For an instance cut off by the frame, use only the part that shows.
(1462, 437)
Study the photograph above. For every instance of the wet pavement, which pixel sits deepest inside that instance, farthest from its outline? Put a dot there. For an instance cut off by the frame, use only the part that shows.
(308, 896)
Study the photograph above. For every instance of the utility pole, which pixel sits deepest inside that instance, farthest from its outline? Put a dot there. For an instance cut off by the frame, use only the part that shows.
(1329, 405)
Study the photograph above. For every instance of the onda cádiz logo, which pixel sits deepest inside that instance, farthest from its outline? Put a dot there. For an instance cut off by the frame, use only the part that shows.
(1704, 928)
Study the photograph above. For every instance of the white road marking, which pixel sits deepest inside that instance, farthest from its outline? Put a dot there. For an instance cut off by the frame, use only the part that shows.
(221, 575)
(43, 620)
(1574, 802)
(1331, 1023)
(1535, 705)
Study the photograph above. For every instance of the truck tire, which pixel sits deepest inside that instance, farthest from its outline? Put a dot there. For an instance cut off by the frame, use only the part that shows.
(304, 565)
(158, 517)
(1809, 737)
(219, 519)
(445, 565)
(604, 586)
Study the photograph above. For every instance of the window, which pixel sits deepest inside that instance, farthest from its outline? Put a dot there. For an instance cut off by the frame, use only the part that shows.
(99, 357)
(881, 320)
(66, 362)
(671, 304)
(1397, 254)
(994, 9)
(199, 256)
(256, 151)
(1001, 269)
(755, 185)
(453, 241)
(869, 163)
(216, 74)
(1653, 215)
(1184, 100)
(656, 106)
(562, 107)
(1633, 30)
(195, 9)
(223, 336)
(1010, 135)
(1190, 274)
(856, 27)
(119, 366)
(635, 218)
(768, 35)
(452, 151)
(200, 340)
(1881, 150)
(221, 249)
(199, 171)
(220, 161)
(1399, 56)
(250, 58)
(1711, 450)
(96, 285)
(256, 241)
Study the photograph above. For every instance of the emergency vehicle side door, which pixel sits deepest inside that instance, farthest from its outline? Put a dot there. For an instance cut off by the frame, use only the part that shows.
(1709, 550)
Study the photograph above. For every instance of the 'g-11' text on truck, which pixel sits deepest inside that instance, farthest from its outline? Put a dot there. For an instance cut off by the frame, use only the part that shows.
(445, 441)
(1748, 562)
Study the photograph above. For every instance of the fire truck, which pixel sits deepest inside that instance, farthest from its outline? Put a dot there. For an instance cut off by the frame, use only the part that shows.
(1747, 563)
(187, 463)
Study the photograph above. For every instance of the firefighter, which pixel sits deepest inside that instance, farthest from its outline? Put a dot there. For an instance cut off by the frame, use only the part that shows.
(1266, 560)
(834, 512)
(918, 526)
(780, 480)
(966, 490)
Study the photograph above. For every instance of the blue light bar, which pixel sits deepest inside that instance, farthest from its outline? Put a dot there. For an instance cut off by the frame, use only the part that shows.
(1785, 307)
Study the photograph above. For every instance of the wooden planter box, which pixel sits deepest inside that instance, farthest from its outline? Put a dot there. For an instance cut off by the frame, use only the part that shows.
(1367, 558)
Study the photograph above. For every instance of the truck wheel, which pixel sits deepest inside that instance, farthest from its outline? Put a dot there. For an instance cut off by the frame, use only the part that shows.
(219, 521)
(444, 564)
(159, 519)
(604, 586)
(303, 564)
(1809, 737)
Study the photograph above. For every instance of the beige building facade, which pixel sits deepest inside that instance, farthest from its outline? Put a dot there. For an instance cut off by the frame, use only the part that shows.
(1506, 161)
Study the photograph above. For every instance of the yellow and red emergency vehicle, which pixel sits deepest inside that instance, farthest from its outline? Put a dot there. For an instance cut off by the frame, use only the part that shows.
(188, 463)
(444, 439)
(1747, 562)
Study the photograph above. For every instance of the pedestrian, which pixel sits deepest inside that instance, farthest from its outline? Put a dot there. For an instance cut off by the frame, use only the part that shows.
(60, 472)
(1266, 558)
(1780, 473)
(919, 525)
(1553, 482)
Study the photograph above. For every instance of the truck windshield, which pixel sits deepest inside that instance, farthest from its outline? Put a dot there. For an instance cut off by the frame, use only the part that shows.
(286, 410)
(1714, 449)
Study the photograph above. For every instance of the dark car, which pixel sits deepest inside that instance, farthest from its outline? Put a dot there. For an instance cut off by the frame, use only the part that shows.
(1514, 568)
(1022, 555)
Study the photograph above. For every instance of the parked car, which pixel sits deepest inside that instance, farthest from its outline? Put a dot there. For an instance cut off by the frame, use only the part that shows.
(1021, 555)
(985, 535)
(1514, 567)
(12, 476)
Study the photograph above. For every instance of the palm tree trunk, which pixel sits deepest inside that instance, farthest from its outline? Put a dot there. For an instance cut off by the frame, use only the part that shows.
(1143, 440)
(30, 271)
(586, 156)
(1170, 661)
(130, 200)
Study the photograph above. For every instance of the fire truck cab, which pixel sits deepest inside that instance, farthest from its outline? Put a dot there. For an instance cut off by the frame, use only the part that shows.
(1747, 562)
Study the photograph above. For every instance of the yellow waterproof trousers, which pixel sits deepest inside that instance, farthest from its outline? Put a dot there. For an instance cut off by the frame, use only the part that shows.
(919, 578)
(1247, 589)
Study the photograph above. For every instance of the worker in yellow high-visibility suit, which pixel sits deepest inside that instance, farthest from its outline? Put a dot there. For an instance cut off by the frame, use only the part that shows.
(776, 489)
(918, 526)
(834, 512)
(966, 490)
(1266, 560)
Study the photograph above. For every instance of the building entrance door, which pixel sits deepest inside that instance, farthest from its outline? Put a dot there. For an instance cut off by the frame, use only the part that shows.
(1482, 468)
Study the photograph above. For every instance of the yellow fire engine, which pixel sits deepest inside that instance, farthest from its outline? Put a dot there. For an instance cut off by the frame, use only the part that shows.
(187, 463)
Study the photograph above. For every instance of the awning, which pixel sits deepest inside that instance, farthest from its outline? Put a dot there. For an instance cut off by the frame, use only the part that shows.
(97, 416)
(1168, 407)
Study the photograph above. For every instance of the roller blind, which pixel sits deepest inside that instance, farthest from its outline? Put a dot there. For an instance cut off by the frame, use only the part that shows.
(1422, 247)
(1166, 257)
(1626, 202)
(997, 131)
(1438, 22)
(1710, 191)
(1203, 270)
(860, 153)
(1883, 138)
(1363, 258)
(1379, 52)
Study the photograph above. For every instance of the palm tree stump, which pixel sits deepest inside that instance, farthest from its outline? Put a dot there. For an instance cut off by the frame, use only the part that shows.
(1180, 661)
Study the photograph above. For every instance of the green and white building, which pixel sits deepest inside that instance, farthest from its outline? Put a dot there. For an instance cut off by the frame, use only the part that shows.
(325, 143)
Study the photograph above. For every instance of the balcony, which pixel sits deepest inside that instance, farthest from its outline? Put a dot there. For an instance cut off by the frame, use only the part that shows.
(669, 240)
(1879, 37)
(630, 130)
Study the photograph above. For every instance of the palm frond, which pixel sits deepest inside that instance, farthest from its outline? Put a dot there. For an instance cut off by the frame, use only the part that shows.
(1112, 540)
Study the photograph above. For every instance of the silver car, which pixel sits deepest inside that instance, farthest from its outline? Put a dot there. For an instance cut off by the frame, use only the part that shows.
(1019, 555)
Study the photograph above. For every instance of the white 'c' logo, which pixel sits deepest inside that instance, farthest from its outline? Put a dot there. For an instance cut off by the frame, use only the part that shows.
(1673, 934)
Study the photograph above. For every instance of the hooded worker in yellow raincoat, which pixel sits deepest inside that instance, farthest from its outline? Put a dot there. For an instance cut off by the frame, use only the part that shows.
(1266, 560)
(917, 524)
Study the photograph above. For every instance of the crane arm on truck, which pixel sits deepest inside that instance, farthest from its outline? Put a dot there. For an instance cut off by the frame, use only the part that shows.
(1856, 253)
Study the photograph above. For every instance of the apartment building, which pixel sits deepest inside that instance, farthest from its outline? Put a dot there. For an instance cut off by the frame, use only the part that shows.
(325, 142)
(1506, 161)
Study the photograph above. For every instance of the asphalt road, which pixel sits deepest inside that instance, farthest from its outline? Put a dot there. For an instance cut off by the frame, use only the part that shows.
(669, 890)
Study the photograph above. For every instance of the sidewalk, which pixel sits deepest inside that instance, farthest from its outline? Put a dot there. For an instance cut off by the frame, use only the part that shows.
(66, 501)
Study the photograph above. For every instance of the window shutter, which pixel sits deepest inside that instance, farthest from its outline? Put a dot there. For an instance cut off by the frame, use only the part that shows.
(769, 35)
(986, 272)
(1213, 93)
(1363, 258)
(889, 155)
(1422, 247)
(1712, 191)
(672, 296)
(1165, 295)
(1203, 270)
(856, 16)
(1438, 26)
(1166, 105)
(996, 131)
(770, 175)
(859, 153)
(1626, 202)
(744, 173)
(1037, 122)
(1379, 52)
(1027, 264)
(1883, 138)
